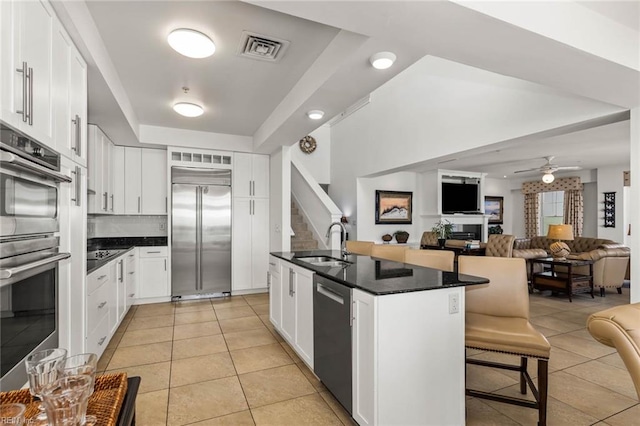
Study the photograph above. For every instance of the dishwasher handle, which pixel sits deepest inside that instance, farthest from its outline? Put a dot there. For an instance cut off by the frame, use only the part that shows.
(326, 291)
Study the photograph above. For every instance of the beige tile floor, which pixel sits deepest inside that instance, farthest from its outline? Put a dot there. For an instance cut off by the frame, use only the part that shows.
(220, 362)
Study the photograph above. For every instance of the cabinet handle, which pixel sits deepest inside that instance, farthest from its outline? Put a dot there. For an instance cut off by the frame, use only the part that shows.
(132, 272)
(100, 306)
(105, 200)
(101, 341)
(138, 204)
(121, 271)
(268, 279)
(166, 204)
(78, 173)
(111, 202)
(78, 136)
(131, 255)
(30, 78)
(249, 187)
(351, 313)
(23, 70)
(132, 294)
(101, 277)
(253, 182)
(272, 264)
(165, 264)
(291, 278)
(151, 252)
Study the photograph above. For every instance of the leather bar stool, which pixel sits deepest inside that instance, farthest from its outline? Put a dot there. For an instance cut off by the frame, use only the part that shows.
(497, 320)
(437, 259)
(360, 247)
(389, 252)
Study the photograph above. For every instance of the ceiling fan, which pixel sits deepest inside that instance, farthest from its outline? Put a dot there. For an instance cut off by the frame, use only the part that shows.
(548, 169)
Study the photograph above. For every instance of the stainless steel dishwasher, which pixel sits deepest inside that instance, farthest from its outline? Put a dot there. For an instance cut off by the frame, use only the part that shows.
(332, 337)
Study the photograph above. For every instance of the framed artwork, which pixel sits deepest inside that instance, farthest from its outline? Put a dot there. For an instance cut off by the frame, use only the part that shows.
(494, 207)
(393, 207)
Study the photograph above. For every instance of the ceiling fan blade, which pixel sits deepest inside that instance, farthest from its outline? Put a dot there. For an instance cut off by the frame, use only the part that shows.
(568, 167)
(528, 170)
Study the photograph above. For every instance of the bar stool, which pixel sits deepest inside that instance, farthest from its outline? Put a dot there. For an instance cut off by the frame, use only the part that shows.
(497, 320)
(389, 252)
(359, 247)
(437, 259)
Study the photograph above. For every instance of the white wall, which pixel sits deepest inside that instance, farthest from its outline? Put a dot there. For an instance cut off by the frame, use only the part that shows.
(501, 188)
(367, 229)
(318, 163)
(610, 180)
(280, 200)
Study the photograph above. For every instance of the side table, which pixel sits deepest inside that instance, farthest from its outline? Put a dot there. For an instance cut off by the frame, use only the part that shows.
(562, 279)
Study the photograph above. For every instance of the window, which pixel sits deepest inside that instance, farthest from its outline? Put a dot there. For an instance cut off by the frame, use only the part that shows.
(551, 210)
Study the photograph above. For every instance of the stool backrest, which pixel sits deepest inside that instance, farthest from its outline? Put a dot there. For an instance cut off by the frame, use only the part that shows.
(359, 247)
(506, 295)
(438, 259)
(500, 245)
(389, 252)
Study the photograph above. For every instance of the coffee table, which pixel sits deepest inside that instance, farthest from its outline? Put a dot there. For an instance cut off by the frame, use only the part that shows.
(562, 279)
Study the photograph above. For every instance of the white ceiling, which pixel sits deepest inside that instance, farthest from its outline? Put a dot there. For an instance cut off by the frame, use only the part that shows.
(326, 67)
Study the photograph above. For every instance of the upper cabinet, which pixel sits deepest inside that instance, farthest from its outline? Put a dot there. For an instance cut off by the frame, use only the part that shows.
(250, 175)
(154, 181)
(100, 185)
(133, 177)
(43, 78)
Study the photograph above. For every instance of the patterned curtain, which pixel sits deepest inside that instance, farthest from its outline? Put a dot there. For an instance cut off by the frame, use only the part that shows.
(532, 214)
(573, 211)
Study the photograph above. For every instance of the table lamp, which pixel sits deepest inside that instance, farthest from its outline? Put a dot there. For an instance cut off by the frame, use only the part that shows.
(560, 250)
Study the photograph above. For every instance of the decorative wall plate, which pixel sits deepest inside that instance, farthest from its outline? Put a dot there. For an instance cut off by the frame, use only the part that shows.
(307, 144)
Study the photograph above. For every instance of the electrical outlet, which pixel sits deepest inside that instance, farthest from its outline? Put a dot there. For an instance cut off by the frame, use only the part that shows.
(163, 226)
(454, 303)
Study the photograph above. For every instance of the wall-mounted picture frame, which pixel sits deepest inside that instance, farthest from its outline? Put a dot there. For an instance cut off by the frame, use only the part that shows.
(394, 207)
(494, 207)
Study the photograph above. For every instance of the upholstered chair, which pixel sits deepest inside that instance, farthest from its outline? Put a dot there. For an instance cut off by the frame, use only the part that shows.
(619, 327)
(360, 247)
(429, 238)
(497, 320)
(389, 252)
(437, 259)
(500, 245)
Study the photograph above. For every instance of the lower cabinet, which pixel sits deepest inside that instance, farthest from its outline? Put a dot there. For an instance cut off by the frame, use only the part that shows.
(274, 283)
(154, 272)
(131, 287)
(296, 306)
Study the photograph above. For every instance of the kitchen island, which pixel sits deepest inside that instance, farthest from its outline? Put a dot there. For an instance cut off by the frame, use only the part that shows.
(407, 332)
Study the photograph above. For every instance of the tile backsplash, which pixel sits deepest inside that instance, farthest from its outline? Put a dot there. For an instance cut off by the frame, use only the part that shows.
(126, 226)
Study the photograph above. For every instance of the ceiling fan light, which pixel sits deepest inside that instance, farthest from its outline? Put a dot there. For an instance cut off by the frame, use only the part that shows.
(191, 43)
(188, 109)
(548, 178)
(382, 60)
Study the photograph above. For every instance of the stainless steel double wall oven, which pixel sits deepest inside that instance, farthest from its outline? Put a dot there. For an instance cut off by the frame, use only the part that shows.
(29, 206)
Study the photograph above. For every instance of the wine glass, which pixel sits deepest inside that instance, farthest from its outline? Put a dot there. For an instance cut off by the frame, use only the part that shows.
(43, 367)
(83, 364)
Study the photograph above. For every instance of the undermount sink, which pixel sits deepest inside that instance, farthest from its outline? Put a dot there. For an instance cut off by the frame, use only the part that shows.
(324, 261)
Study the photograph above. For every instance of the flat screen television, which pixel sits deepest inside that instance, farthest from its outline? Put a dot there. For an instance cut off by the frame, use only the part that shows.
(459, 198)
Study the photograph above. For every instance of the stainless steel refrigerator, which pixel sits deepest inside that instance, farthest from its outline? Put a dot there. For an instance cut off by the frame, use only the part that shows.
(200, 232)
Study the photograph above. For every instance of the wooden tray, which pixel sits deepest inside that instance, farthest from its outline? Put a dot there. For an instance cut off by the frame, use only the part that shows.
(105, 403)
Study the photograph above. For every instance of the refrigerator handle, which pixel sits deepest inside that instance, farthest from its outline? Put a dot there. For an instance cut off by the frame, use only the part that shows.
(198, 237)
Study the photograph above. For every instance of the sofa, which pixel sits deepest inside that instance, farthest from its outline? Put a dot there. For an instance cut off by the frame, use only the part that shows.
(610, 258)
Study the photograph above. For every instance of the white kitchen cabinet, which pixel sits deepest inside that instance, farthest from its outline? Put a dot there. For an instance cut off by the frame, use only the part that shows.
(154, 273)
(275, 291)
(250, 175)
(78, 92)
(113, 269)
(27, 35)
(297, 310)
(118, 180)
(100, 177)
(154, 181)
(121, 299)
(101, 306)
(250, 249)
(133, 177)
(131, 278)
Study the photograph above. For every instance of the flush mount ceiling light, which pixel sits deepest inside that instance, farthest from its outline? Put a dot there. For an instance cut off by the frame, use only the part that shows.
(188, 109)
(315, 114)
(548, 178)
(191, 43)
(382, 60)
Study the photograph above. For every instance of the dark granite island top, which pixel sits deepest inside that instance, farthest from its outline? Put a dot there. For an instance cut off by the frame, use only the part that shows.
(379, 276)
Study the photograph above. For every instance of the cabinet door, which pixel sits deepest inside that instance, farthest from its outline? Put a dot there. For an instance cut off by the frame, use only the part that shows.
(107, 176)
(36, 34)
(118, 179)
(260, 173)
(259, 242)
(60, 91)
(112, 290)
(154, 181)
(94, 184)
(364, 358)
(304, 314)
(241, 250)
(288, 303)
(78, 106)
(131, 278)
(121, 274)
(242, 185)
(153, 277)
(10, 79)
(133, 179)
(275, 292)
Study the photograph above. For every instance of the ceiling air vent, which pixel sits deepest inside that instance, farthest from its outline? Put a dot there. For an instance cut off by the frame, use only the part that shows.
(256, 46)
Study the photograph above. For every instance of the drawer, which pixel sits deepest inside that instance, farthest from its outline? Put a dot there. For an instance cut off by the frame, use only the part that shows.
(98, 278)
(97, 306)
(131, 257)
(153, 251)
(98, 339)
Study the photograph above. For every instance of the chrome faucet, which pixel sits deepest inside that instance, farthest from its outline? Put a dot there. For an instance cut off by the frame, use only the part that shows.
(343, 237)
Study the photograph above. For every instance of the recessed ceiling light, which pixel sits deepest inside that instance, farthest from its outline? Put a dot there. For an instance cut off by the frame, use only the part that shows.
(191, 43)
(188, 109)
(315, 114)
(382, 60)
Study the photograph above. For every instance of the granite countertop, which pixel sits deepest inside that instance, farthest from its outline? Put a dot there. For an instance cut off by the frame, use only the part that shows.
(379, 276)
(119, 246)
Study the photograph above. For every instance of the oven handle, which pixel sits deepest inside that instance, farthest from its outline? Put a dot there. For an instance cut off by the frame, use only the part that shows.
(13, 160)
(9, 272)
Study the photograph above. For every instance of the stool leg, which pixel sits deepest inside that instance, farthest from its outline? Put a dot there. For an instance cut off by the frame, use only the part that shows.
(543, 372)
(523, 380)
(619, 290)
(601, 291)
